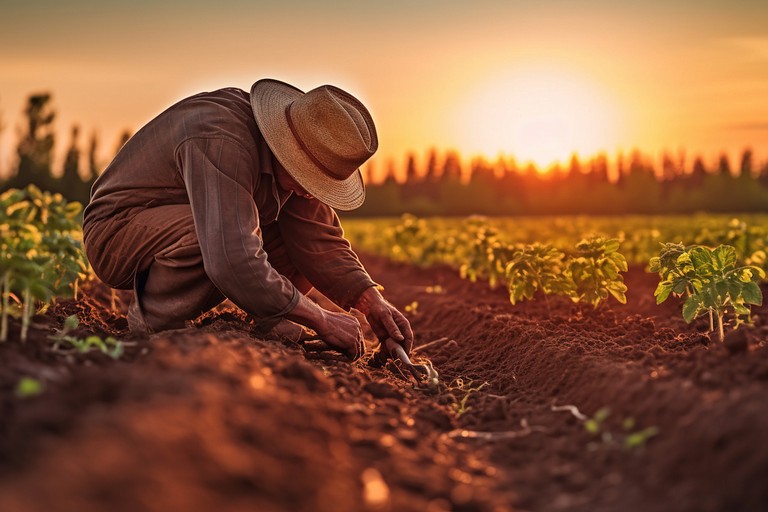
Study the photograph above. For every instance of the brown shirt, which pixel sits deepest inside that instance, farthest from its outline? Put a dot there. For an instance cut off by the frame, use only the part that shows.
(207, 151)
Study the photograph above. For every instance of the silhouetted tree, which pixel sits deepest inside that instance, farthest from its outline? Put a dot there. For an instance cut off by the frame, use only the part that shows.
(35, 148)
(698, 173)
(71, 172)
(451, 167)
(599, 169)
(669, 170)
(762, 176)
(93, 166)
(745, 169)
(574, 167)
(411, 174)
(621, 170)
(723, 166)
(430, 173)
(125, 136)
(71, 184)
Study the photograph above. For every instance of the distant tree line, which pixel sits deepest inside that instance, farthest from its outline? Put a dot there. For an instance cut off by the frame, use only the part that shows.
(35, 155)
(444, 185)
(632, 184)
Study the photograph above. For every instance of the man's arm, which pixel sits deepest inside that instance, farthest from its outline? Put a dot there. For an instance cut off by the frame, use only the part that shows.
(218, 175)
(315, 241)
(219, 178)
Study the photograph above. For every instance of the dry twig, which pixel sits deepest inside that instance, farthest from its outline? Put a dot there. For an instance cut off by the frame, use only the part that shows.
(435, 342)
(496, 436)
(572, 409)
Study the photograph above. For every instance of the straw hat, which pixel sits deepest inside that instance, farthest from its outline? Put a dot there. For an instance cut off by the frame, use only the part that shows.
(321, 138)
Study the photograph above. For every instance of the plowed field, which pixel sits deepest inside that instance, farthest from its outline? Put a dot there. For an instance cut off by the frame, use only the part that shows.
(213, 417)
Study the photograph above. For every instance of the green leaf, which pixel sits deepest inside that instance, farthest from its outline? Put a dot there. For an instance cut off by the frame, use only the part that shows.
(71, 322)
(592, 426)
(27, 386)
(602, 414)
(662, 291)
(752, 294)
(740, 308)
(618, 295)
(684, 259)
(724, 257)
(612, 245)
(640, 438)
(691, 308)
(700, 257)
(655, 264)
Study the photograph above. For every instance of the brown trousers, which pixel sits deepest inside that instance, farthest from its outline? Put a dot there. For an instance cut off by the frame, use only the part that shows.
(157, 254)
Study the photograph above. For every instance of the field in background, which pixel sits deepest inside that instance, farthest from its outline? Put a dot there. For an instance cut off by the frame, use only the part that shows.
(640, 235)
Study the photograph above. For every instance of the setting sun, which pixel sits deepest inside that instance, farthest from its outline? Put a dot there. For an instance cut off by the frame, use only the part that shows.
(539, 114)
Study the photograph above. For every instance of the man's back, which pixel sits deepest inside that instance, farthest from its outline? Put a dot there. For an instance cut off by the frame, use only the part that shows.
(145, 172)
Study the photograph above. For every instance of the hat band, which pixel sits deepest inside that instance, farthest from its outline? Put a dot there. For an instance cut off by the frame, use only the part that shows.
(303, 146)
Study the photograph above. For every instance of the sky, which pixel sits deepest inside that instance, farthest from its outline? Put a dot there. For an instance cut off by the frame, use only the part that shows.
(537, 80)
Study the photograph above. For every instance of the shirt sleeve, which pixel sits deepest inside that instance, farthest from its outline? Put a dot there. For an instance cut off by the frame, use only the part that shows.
(315, 242)
(219, 178)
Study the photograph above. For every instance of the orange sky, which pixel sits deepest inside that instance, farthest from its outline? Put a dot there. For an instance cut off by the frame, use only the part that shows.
(537, 81)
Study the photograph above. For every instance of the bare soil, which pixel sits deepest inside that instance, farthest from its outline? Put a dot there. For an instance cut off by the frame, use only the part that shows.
(217, 417)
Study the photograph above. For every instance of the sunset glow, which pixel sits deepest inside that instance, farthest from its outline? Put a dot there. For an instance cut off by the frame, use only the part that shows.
(539, 114)
(538, 81)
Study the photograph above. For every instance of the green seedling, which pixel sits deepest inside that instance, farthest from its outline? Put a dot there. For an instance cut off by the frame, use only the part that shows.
(486, 258)
(596, 271)
(460, 407)
(109, 345)
(537, 267)
(640, 439)
(27, 387)
(594, 424)
(630, 440)
(711, 281)
(412, 308)
(41, 255)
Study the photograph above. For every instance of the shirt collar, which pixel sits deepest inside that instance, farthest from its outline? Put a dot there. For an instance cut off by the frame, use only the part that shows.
(266, 168)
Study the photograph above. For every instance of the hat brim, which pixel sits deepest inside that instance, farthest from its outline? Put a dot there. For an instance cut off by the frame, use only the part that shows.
(269, 100)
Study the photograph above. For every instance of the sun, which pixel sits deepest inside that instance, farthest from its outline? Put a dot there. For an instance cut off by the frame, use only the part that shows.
(538, 114)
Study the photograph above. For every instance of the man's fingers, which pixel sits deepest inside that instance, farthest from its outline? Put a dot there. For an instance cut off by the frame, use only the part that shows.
(405, 328)
(392, 329)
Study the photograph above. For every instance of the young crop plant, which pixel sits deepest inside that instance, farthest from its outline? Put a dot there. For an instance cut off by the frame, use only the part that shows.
(596, 271)
(487, 257)
(537, 267)
(41, 254)
(710, 280)
(109, 345)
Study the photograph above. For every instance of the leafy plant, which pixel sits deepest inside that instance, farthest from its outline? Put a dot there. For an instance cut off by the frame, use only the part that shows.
(41, 255)
(109, 345)
(596, 271)
(711, 280)
(629, 440)
(537, 267)
(594, 424)
(466, 389)
(27, 386)
(487, 257)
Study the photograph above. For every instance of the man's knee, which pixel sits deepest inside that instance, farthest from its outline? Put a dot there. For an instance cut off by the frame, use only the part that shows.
(116, 249)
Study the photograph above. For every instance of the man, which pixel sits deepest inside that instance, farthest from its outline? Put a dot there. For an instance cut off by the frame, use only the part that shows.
(231, 195)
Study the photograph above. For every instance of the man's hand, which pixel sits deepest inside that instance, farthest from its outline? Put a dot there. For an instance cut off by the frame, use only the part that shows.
(339, 330)
(342, 331)
(386, 321)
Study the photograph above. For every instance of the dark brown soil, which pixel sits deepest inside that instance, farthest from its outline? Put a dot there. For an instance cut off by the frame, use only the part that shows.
(215, 418)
